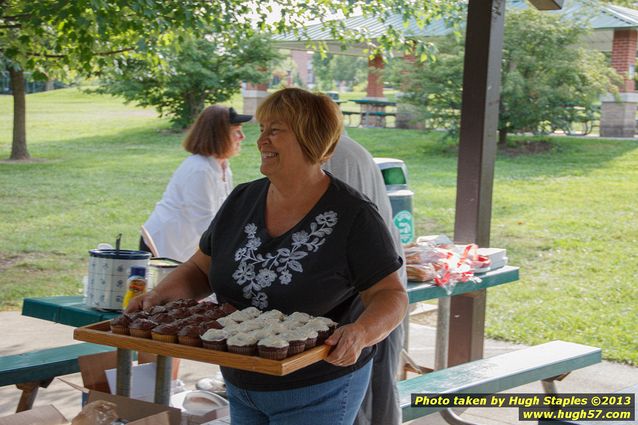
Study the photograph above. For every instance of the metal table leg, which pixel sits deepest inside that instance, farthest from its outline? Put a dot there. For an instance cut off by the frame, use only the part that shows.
(163, 380)
(441, 354)
(123, 374)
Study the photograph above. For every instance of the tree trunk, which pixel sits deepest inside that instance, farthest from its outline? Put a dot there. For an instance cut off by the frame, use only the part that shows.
(19, 145)
(502, 137)
(194, 106)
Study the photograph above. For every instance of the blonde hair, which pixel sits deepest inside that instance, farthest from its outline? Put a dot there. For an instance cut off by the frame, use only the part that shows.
(315, 119)
(210, 135)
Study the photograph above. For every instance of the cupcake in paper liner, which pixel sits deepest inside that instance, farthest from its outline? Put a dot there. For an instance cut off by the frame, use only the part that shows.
(189, 335)
(242, 344)
(273, 348)
(322, 329)
(215, 339)
(311, 340)
(299, 316)
(249, 325)
(141, 328)
(158, 309)
(296, 340)
(214, 313)
(260, 333)
(119, 325)
(209, 324)
(226, 321)
(140, 314)
(165, 332)
(274, 315)
(332, 325)
(164, 317)
(227, 308)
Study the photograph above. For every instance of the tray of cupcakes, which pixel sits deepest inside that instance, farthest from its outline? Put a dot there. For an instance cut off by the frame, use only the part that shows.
(268, 342)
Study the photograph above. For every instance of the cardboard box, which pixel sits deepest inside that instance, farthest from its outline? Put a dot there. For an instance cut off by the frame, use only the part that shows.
(136, 413)
(41, 415)
(134, 410)
(95, 368)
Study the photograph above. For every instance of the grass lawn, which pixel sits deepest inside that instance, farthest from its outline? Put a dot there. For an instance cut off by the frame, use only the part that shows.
(568, 217)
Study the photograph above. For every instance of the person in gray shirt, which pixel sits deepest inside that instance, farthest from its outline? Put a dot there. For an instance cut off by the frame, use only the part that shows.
(354, 165)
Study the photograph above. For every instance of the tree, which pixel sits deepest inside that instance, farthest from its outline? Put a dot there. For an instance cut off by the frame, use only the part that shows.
(191, 74)
(547, 77)
(49, 37)
(331, 68)
(54, 36)
(350, 69)
(323, 70)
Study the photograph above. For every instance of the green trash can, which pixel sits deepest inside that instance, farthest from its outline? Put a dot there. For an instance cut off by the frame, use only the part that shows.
(395, 177)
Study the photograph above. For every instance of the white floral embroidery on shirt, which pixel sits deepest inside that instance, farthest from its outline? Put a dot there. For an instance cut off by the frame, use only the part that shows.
(256, 271)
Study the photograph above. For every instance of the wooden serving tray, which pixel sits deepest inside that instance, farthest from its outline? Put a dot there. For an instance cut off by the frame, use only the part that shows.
(100, 333)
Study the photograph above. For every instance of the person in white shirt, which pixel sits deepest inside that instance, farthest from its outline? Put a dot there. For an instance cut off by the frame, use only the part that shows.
(353, 164)
(198, 187)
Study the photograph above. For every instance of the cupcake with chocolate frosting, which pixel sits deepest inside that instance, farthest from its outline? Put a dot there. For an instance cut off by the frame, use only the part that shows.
(141, 328)
(165, 332)
(189, 335)
(119, 325)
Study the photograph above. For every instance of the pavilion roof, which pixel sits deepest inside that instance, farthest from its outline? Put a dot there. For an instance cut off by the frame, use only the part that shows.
(602, 17)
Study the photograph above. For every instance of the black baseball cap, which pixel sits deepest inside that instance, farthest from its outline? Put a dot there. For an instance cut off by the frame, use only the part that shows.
(236, 118)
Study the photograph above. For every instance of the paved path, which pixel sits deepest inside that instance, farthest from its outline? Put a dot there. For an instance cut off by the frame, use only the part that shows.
(20, 334)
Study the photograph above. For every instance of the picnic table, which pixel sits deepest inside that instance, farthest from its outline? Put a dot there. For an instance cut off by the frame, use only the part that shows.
(373, 111)
(71, 310)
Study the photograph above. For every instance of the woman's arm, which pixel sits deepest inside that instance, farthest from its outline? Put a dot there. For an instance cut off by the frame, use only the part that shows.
(386, 304)
(188, 280)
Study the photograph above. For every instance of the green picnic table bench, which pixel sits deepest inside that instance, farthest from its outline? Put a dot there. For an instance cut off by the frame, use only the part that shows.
(35, 369)
(366, 115)
(545, 362)
(349, 114)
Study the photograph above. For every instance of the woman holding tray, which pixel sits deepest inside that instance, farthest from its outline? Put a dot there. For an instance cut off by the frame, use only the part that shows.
(298, 240)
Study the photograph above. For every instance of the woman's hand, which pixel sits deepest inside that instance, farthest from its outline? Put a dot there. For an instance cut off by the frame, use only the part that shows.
(144, 302)
(386, 304)
(188, 280)
(348, 342)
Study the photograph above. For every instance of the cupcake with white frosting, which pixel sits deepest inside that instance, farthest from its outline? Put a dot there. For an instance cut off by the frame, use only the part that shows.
(299, 316)
(273, 347)
(215, 339)
(242, 343)
(274, 315)
(322, 329)
(226, 321)
(299, 340)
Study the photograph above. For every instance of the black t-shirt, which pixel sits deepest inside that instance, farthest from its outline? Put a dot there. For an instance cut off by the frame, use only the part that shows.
(341, 247)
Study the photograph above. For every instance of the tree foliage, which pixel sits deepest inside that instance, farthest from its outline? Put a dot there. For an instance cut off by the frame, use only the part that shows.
(547, 77)
(323, 70)
(196, 72)
(54, 37)
(331, 68)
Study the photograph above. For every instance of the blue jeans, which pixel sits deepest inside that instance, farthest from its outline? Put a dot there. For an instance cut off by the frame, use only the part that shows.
(334, 402)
